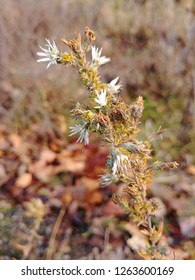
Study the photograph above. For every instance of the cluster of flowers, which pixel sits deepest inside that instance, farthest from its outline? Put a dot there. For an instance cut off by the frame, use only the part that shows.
(52, 55)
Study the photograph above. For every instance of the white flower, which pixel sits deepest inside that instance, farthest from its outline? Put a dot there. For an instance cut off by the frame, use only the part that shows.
(121, 163)
(101, 99)
(51, 54)
(112, 87)
(84, 133)
(108, 179)
(97, 60)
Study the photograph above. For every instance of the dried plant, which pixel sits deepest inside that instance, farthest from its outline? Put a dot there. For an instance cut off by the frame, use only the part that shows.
(117, 122)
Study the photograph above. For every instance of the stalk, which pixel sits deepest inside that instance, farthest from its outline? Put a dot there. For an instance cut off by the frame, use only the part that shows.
(117, 122)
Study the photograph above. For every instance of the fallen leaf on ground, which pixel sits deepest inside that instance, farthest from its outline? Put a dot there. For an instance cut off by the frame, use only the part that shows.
(89, 184)
(191, 169)
(94, 197)
(24, 180)
(47, 156)
(16, 140)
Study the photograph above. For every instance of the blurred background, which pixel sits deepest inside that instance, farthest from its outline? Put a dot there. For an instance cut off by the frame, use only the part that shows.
(46, 178)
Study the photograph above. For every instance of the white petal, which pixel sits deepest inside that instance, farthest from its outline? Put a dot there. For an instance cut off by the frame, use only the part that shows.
(93, 52)
(49, 43)
(103, 60)
(49, 64)
(79, 139)
(99, 54)
(113, 82)
(42, 54)
(45, 50)
(43, 59)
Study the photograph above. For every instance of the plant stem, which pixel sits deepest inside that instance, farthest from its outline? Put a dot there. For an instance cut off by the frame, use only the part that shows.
(55, 230)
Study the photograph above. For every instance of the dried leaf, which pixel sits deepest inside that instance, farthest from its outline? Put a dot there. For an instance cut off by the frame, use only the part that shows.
(191, 169)
(24, 180)
(89, 184)
(70, 162)
(42, 172)
(16, 140)
(94, 197)
(47, 156)
(71, 165)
